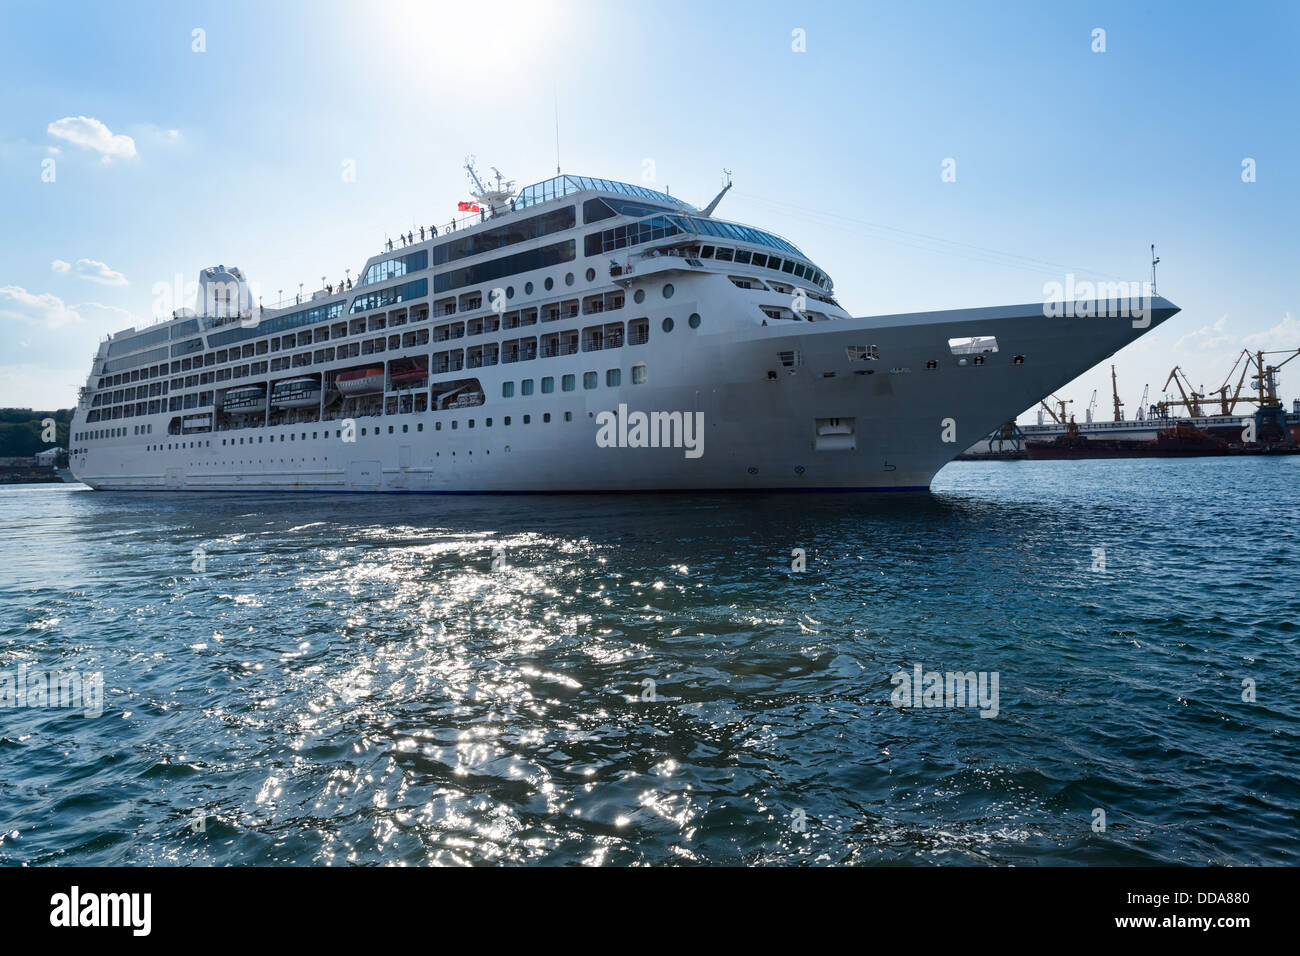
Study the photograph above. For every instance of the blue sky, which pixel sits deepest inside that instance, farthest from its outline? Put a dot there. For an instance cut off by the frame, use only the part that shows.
(167, 160)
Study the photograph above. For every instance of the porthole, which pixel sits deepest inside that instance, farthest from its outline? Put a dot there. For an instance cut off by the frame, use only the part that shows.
(550, 283)
(668, 290)
(528, 288)
(591, 275)
(568, 278)
(694, 320)
(668, 323)
(638, 296)
(510, 292)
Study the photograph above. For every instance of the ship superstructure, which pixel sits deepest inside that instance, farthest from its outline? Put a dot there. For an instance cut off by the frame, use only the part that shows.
(585, 335)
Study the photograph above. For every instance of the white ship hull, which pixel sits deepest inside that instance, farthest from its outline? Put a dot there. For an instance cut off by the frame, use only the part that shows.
(759, 433)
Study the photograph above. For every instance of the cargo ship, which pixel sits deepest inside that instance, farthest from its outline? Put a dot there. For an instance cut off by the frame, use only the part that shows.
(1155, 433)
(1179, 440)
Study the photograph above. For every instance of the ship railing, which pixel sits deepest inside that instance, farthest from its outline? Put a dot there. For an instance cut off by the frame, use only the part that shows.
(564, 348)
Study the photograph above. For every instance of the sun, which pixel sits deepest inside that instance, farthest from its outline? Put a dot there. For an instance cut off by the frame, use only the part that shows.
(490, 49)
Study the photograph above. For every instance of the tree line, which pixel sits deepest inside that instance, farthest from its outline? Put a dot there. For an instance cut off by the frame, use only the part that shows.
(20, 430)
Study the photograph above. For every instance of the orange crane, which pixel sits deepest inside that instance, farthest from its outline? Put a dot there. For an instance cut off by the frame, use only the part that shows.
(1265, 379)
(1228, 405)
(1191, 398)
(1270, 420)
(1061, 403)
(1114, 393)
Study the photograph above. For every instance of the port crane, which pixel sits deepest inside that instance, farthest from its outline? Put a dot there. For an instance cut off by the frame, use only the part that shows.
(1114, 394)
(1263, 380)
(1061, 403)
(1226, 404)
(1253, 373)
(1270, 419)
(1092, 407)
(1191, 398)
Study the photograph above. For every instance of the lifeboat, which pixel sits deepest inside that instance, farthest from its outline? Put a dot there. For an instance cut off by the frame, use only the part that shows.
(296, 393)
(466, 400)
(249, 398)
(466, 393)
(358, 381)
(409, 377)
(196, 423)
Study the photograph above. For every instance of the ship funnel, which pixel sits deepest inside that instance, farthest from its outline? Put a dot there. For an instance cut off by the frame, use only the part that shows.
(223, 295)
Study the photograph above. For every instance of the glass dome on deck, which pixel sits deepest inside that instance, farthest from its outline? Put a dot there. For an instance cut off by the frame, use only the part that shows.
(561, 186)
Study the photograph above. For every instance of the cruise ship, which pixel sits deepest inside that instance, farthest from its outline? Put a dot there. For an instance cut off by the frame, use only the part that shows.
(577, 335)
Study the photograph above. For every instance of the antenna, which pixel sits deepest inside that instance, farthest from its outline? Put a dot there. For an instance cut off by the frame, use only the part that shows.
(1155, 261)
(556, 96)
(497, 200)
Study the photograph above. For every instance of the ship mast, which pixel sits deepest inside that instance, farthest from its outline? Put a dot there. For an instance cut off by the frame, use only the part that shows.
(496, 199)
(708, 210)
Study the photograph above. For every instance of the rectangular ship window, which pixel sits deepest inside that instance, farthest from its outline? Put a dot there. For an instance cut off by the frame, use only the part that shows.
(973, 344)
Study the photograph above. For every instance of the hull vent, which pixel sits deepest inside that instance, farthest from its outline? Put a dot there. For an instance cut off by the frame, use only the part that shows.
(836, 434)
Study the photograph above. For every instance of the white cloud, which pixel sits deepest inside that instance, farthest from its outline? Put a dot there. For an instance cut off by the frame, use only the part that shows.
(121, 316)
(58, 265)
(90, 133)
(1207, 337)
(1284, 335)
(39, 386)
(44, 309)
(1215, 338)
(152, 135)
(92, 270)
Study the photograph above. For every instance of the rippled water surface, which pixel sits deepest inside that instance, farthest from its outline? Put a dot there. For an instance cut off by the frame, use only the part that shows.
(630, 680)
